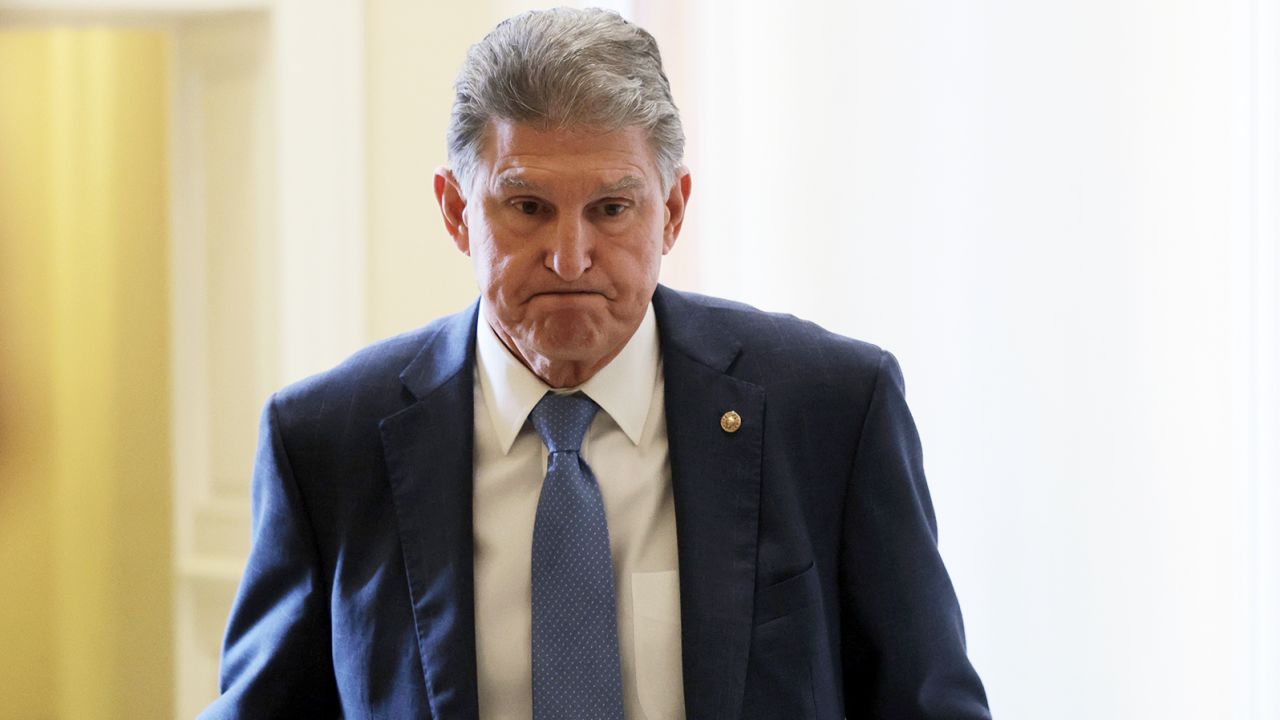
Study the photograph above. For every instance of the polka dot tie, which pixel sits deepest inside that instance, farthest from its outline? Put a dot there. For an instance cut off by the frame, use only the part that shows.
(576, 669)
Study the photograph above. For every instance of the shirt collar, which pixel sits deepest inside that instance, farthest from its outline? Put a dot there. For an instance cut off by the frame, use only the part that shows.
(623, 388)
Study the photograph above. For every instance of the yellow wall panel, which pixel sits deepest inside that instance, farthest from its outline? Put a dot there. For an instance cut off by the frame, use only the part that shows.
(26, 539)
(84, 494)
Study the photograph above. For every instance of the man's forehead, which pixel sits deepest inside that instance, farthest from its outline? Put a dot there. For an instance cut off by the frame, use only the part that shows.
(524, 152)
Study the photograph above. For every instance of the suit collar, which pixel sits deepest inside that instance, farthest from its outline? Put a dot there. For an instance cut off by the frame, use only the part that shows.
(686, 328)
(446, 352)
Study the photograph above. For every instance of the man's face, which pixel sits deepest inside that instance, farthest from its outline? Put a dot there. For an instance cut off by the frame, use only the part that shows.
(566, 230)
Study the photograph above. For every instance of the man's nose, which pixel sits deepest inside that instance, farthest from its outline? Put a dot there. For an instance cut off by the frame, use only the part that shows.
(571, 248)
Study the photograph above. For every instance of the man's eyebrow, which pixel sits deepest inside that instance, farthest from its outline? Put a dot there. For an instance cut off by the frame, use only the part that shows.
(511, 182)
(630, 182)
(514, 182)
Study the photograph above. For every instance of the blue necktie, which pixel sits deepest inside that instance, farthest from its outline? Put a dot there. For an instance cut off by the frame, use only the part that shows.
(576, 668)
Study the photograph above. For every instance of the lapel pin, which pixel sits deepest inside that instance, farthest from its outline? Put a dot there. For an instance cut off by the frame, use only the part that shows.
(730, 422)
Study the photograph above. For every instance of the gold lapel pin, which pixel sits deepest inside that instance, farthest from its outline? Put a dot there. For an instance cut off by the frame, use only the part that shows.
(730, 422)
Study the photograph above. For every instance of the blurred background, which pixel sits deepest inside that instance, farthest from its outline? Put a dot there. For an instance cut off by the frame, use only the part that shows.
(1060, 216)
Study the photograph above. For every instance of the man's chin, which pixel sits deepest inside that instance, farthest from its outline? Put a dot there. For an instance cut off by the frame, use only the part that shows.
(565, 338)
(570, 347)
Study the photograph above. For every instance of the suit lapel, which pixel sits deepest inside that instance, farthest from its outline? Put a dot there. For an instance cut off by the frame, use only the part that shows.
(428, 450)
(716, 478)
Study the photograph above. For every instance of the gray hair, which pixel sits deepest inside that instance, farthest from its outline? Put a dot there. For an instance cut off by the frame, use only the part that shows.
(565, 68)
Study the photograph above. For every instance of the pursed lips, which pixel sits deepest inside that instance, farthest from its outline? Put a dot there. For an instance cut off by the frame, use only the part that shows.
(565, 293)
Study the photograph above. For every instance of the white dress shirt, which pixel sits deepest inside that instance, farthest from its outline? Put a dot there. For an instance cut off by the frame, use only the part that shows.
(626, 447)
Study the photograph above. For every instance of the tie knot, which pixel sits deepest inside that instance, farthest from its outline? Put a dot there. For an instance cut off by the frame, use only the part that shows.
(562, 420)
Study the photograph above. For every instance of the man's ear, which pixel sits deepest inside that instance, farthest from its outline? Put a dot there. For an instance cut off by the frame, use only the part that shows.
(452, 204)
(677, 200)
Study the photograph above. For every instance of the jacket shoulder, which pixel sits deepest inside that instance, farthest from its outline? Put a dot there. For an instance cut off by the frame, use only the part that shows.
(773, 341)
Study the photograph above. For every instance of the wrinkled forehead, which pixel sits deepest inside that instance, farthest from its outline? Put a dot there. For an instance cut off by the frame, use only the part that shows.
(520, 156)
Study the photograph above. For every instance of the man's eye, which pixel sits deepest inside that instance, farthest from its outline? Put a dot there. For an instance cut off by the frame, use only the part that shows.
(613, 209)
(528, 207)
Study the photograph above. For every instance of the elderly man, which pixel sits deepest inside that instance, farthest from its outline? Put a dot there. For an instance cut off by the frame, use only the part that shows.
(590, 496)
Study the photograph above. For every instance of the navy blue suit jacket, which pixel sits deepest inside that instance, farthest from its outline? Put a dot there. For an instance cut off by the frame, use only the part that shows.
(810, 581)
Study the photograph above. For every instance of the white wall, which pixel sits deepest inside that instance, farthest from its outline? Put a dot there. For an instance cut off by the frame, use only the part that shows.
(1059, 217)
(414, 50)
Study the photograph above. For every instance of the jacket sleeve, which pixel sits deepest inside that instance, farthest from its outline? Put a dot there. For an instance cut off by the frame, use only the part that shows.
(902, 638)
(276, 656)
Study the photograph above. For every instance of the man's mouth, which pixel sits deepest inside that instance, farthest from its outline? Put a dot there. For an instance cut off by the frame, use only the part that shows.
(568, 292)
